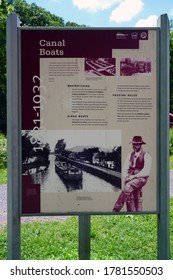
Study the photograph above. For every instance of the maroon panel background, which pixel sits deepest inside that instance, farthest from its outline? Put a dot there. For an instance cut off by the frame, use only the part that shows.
(30, 196)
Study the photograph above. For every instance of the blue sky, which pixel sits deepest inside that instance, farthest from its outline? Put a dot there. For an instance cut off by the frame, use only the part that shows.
(109, 13)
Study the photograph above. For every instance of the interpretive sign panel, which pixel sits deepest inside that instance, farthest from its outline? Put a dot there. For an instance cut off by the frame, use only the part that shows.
(89, 120)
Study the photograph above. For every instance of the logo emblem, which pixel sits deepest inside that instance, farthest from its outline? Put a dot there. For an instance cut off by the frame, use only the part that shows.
(134, 35)
(143, 35)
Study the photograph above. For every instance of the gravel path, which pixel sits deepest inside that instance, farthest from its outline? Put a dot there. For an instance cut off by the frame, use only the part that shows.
(3, 211)
(3, 207)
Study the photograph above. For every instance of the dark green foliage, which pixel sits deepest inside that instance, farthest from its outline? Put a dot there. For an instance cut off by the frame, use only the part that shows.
(33, 15)
(4, 10)
(3, 152)
(171, 141)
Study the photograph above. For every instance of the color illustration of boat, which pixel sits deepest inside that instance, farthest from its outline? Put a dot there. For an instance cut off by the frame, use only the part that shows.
(67, 171)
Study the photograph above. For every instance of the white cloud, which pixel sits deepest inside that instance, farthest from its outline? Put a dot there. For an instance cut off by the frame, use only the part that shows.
(171, 12)
(126, 10)
(94, 5)
(151, 21)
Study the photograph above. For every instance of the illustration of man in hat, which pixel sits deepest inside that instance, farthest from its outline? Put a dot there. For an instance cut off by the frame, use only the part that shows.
(136, 171)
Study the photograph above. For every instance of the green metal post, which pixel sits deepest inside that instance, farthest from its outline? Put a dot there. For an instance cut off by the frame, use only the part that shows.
(84, 237)
(13, 217)
(163, 157)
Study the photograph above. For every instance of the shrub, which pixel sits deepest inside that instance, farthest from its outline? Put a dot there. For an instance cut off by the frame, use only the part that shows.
(3, 151)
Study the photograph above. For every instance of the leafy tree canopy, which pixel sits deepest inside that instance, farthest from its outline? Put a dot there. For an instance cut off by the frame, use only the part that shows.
(33, 15)
(5, 9)
(60, 146)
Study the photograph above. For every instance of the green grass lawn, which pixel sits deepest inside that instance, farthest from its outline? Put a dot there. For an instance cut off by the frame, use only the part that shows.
(3, 176)
(121, 237)
(171, 162)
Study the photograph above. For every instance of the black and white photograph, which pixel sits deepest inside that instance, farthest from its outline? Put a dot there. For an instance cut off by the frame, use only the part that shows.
(73, 161)
(134, 67)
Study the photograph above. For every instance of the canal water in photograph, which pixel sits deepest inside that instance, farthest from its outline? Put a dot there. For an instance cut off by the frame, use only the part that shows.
(50, 181)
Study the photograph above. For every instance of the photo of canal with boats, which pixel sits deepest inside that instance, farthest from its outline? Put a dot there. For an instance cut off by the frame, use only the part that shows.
(79, 169)
(51, 181)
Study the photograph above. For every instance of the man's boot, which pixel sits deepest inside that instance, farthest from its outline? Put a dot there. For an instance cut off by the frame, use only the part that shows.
(130, 204)
(120, 201)
(138, 201)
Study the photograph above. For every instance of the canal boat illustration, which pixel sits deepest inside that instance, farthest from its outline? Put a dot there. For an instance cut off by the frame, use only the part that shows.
(68, 171)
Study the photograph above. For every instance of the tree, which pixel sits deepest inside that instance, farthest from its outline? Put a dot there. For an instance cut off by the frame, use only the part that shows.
(33, 15)
(89, 152)
(69, 23)
(28, 151)
(26, 146)
(117, 155)
(5, 9)
(60, 146)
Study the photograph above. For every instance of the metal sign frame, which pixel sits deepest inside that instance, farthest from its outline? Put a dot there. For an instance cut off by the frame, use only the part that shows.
(14, 145)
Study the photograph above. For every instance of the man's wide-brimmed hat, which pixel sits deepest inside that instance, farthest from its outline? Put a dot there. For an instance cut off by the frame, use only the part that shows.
(137, 140)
